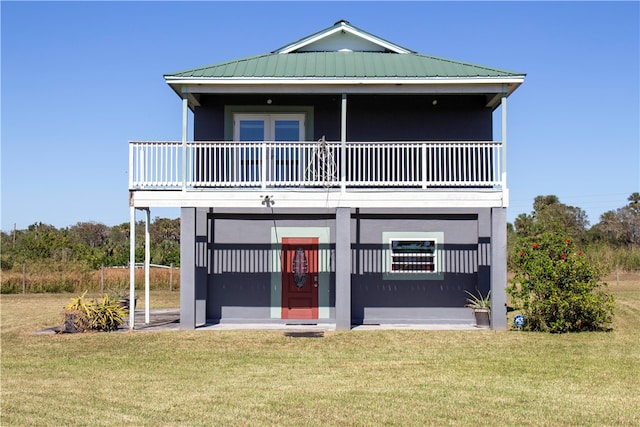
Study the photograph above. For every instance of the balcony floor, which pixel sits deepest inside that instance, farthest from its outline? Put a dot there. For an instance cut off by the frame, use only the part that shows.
(322, 198)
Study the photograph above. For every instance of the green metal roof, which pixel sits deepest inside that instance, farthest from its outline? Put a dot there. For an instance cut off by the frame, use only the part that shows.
(336, 65)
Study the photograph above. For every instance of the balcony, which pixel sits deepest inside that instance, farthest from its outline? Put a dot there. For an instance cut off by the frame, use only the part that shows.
(227, 169)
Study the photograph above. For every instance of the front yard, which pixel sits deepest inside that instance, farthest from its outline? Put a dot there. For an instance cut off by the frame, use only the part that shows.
(344, 378)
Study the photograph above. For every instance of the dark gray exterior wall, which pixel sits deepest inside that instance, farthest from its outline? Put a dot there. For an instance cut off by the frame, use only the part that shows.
(239, 282)
(369, 117)
(376, 299)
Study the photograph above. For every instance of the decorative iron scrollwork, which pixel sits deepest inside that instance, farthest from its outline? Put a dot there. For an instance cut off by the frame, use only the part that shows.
(300, 268)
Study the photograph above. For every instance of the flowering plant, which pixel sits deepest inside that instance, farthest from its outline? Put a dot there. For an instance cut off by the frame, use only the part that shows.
(556, 288)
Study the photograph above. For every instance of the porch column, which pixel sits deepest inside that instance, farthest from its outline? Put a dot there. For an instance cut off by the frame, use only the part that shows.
(499, 268)
(194, 259)
(503, 105)
(201, 273)
(147, 257)
(187, 268)
(132, 264)
(343, 142)
(343, 268)
(185, 127)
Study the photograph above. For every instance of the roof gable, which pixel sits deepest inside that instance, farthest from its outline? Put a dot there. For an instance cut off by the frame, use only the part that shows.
(342, 36)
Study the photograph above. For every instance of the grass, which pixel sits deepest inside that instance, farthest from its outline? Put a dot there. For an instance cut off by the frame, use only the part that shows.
(237, 378)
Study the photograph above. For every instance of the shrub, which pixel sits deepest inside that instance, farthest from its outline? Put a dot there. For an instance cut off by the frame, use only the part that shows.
(556, 287)
(82, 314)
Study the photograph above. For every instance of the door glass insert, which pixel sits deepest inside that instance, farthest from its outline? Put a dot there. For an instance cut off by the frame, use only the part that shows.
(300, 268)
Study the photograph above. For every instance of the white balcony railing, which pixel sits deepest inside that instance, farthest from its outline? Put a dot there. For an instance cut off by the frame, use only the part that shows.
(174, 166)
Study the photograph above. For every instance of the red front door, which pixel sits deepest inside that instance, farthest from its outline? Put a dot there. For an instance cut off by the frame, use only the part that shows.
(300, 278)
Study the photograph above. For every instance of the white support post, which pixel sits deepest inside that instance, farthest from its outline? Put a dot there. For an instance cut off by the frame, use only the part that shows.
(147, 256)
(132, 265)
(343, 143)
(503, 104)
(185, 128)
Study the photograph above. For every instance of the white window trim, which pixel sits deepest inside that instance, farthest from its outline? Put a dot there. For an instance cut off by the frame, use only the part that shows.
(269, 123)
(389, 274)
(423, 257)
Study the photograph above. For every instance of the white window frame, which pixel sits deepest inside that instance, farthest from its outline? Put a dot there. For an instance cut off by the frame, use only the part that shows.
(269, 123)
(419, 258)
(438, 255)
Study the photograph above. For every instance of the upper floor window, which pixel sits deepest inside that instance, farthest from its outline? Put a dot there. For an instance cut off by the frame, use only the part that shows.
(268, 127)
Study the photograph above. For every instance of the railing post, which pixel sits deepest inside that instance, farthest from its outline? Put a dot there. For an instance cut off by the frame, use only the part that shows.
(185, 127)
(263, 165)
(343, 143)
(131, 163)
(424, 165)
(142, 174)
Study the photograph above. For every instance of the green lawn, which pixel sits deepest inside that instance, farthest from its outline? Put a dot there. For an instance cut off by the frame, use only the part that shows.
(231, 378)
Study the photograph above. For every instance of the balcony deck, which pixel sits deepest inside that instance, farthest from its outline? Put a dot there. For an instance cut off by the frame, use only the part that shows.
(317, 174)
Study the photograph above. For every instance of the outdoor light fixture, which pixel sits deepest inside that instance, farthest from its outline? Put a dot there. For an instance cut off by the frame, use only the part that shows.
(434, 102)
(267, 201)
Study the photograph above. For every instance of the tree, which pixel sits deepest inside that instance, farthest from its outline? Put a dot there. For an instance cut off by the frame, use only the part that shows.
(622, 226)
(634, 202)
(550, 215)
(90, 234)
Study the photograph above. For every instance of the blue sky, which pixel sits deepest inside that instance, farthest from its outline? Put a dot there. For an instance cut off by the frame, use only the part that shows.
(81, 79)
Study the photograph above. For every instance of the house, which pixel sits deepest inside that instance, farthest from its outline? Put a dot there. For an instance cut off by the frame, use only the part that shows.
(339, 179)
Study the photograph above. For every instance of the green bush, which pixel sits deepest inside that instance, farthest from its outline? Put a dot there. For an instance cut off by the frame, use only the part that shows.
(557, 288)
(82, 314)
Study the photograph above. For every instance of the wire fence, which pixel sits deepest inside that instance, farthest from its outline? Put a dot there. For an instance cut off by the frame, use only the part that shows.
(112, 280)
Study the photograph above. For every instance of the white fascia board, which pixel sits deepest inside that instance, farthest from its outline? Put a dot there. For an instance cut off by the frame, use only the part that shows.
(311, 40)
(436, 86)
(392, 47)
(358, 89)
(346, 81)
